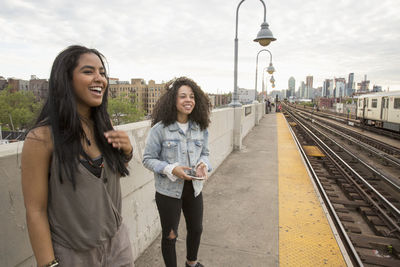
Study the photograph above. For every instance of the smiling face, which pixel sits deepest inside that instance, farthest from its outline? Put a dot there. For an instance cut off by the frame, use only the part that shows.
(89, 82)
(184, 103)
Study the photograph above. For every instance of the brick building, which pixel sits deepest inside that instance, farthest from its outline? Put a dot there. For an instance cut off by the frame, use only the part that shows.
(146, 94)
(3, 83)
(218, 100)
(39, 87)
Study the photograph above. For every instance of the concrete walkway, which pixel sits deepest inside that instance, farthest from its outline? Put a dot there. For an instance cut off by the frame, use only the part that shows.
(240, 208)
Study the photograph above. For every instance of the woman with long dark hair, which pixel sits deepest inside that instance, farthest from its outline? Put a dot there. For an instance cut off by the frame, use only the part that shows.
(72, 161)
(177, 152)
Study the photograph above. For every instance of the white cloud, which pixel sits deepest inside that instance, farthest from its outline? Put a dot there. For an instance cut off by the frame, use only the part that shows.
(163, 39)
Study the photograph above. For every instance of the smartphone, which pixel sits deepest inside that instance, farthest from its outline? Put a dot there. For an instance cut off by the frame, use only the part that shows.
(197, 178)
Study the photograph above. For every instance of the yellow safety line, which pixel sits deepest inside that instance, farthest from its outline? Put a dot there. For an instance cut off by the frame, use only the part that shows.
(305, 237)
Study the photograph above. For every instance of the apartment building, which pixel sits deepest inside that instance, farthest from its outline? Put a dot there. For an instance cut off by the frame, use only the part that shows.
(146, 94)
(154, 92)
(3, 83)
(39, 87)
(17, 85)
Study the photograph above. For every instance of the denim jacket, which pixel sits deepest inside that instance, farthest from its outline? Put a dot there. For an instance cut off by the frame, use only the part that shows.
(168, 145)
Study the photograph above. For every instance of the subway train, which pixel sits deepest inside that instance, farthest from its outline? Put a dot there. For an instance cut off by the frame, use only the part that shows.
(381, 110)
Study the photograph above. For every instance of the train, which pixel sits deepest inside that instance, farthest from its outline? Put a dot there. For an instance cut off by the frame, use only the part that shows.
(381, 110)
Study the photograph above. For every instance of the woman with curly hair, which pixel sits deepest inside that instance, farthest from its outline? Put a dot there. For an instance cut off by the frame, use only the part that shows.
(177, 152)
(72, 161)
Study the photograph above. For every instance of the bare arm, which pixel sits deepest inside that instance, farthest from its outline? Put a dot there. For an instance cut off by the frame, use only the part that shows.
(36, 155)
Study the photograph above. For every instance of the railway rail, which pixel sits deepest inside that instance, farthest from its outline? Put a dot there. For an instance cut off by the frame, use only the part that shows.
(388, 154)
(349, 119)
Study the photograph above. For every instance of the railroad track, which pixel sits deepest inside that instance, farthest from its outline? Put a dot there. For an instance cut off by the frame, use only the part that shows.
(359, 138)
(364, 206)
(388, 155)
(342, 118)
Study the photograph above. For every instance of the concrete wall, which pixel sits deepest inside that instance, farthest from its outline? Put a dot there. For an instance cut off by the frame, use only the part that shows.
(138, 209)
(247, 120)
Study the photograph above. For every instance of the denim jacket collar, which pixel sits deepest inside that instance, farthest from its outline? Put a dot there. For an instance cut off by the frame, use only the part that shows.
(175, 127)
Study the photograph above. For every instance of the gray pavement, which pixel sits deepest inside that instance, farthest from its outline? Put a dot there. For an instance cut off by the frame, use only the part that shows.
(240, 208)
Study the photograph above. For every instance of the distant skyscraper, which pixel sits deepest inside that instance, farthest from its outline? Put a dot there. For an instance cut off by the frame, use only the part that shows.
(340, 86)
(302, 90)
(309, 81)
(292, 86)
(363, 86)
(350, 85)
(325, 88)
(309, 87)
(330, 88)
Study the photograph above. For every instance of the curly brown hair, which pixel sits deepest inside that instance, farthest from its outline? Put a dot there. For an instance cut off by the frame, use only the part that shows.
(165, 108)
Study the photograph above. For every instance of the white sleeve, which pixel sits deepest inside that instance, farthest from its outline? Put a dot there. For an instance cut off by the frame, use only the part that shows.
(168, 171)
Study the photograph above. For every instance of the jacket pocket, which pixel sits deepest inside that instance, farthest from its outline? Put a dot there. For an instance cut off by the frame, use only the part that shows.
(169, 151)
(198, 143)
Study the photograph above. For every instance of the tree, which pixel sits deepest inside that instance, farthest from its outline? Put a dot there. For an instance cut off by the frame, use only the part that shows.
(124, 109)
(18, 110)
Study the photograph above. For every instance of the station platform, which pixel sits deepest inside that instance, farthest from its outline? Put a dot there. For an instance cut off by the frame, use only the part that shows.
(261, 209)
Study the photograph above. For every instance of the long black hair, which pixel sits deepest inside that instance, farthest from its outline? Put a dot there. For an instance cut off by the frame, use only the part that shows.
(165, 108)
(61, 114)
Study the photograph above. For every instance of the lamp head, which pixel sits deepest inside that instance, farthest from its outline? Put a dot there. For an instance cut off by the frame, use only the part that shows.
(271, 68)
(272, 80)
(264, 36)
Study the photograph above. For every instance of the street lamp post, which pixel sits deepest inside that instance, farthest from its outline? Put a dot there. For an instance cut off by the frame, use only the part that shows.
(272, 80)
(263, 85)
(270, 69)
(264, 37)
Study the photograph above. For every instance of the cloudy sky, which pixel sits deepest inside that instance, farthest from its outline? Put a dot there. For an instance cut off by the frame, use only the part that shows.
(160, 40)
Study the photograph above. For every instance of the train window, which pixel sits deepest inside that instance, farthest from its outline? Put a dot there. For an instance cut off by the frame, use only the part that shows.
(374, 103)
(396, 103)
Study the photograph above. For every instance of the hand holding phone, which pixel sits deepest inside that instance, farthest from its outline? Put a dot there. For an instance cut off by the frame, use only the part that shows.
(181, 172)
(197, 178)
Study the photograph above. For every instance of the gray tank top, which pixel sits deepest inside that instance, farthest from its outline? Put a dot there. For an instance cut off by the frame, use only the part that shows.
(84, 218)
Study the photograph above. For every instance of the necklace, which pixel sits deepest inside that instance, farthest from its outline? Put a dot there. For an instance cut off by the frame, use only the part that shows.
(89, 124)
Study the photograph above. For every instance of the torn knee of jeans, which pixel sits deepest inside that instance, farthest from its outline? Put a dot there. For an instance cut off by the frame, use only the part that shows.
(171, 235)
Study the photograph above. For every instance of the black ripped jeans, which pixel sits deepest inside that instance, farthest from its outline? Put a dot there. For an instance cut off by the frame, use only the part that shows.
(169, 209)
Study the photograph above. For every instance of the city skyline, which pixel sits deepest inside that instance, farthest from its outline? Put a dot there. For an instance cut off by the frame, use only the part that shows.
(152, 40)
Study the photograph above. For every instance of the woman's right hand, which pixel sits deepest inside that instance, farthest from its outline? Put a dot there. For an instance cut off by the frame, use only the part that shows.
(179, 171)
